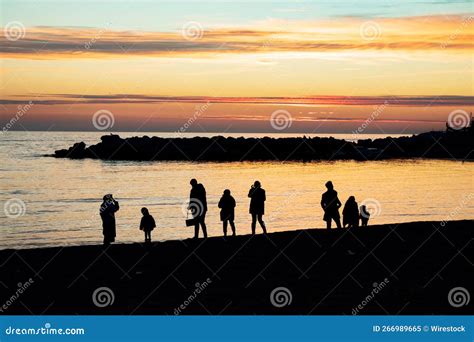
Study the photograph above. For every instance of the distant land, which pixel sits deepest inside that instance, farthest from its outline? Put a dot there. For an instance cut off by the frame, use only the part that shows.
(450, 144)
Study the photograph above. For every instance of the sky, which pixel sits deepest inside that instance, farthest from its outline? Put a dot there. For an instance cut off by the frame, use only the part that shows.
(235, 66)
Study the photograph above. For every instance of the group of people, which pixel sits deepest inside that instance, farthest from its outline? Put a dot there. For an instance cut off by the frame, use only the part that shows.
(350, 214)
(198, 209)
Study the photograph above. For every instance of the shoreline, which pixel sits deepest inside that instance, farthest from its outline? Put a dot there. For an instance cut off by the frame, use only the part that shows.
(325, 272)
(157, 241)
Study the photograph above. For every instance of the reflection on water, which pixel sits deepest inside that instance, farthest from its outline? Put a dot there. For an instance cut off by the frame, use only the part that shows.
(62, 197)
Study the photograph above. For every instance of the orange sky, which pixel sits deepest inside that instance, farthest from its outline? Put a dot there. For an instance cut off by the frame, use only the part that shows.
(70, 73)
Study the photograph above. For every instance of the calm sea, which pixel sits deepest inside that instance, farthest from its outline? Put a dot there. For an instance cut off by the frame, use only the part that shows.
(55, 202)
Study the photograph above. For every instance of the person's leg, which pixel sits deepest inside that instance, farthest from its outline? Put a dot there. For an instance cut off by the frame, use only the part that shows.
(262, 224)
(328, 223)
(224, 226)
(254, 223)
(232, 225)
(203, 225)
(338, 222)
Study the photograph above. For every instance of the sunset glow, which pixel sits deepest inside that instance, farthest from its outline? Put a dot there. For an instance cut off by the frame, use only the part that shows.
(334, 66)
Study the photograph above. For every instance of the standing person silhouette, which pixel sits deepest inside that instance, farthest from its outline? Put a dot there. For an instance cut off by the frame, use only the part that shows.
(227, 205)
(147, 224)
(331, 204)
(107, 211)
(257, 205)
(350, 213)
(364, 216)
(198, 207)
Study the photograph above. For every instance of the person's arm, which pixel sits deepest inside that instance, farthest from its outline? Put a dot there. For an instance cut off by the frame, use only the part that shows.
(264, 195)
(220, 203)
(190, 199)
(153, 223)
(142, 223)
(116, 205)
(323, 204)
(251, 192)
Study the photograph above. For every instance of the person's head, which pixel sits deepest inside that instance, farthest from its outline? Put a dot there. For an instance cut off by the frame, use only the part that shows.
(329, 185)
(363, 208)
(193, 182)
(145, 211)
(108, 197)
(226, 192)
(351, 199)
(257, 184)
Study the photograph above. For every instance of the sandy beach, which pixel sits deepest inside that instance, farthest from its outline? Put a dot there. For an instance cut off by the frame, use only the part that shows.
(388, 269)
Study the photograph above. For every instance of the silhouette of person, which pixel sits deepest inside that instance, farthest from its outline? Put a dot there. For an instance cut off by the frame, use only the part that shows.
(227, 205)
(350, 213)
(331, 204)
(147, 224)
(107, 211)
(364, 216)
(198, 207)
(257, 205)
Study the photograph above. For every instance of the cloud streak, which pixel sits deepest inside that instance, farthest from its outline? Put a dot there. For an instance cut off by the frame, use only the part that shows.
(430, 33)
(58, 99)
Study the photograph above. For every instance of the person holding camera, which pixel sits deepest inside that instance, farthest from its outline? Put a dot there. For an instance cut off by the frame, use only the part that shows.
(108, 208)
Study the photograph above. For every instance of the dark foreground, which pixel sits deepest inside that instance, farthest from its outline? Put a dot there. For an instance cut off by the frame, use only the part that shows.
(413, 266)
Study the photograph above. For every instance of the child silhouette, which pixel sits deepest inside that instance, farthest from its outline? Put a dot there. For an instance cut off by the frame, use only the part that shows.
(147, 224)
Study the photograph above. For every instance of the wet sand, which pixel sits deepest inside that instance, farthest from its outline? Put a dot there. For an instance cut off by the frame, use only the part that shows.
(407, 268)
